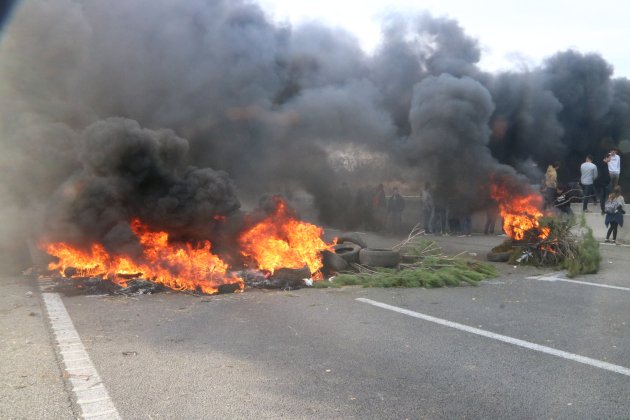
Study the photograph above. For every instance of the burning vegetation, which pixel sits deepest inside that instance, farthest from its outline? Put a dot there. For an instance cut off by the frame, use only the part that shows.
(539, 239)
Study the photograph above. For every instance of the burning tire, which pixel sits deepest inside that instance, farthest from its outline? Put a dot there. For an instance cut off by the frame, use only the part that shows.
(348, 251)
(379, 257)
(334, 263)
(292, 275)
(353, 237)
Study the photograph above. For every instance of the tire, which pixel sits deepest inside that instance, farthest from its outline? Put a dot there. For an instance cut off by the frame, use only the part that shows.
(379, 257)
(292, 275)
(499, 256)
(334, 263)
(353, 237)
(348, 251)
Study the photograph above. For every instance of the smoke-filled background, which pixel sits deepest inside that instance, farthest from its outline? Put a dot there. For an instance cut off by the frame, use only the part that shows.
(175, 111)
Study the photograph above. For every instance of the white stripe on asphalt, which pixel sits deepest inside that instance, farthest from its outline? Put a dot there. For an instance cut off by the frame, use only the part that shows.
(506, 339)
(556, 278)
(79, 368)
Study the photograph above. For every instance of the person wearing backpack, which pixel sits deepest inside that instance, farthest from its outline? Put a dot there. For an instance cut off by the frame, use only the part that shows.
(614, 209)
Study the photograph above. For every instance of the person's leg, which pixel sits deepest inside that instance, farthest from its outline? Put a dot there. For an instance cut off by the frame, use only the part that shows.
(614, 180)
(586, 192)
(614, 232)
(427, 220)
(610, 229)
(591, 193)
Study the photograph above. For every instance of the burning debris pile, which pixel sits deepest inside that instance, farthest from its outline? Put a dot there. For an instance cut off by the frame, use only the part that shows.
(274, 250)
(121, 121)
(540, 240)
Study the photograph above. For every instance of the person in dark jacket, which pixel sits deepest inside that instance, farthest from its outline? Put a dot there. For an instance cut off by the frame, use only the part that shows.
(395, 207)
(602, 184)
(565, 196)
(615, 209)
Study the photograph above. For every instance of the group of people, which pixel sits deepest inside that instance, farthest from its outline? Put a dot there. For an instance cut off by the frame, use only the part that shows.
(438, 219)
(593, 184)
(370, 209)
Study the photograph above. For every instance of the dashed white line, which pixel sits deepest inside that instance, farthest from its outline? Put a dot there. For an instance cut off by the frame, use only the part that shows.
(553, 278)
(90, 394)
(504, 338)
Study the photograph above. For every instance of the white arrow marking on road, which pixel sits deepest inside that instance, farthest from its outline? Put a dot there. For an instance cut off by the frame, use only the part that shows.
(506, 339)
(587, 283)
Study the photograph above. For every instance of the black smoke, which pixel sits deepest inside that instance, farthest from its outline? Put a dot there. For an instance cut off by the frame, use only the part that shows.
(129, 172)
(110, 111)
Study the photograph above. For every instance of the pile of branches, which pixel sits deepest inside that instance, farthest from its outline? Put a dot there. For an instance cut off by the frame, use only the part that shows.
(422, 265)
(567, 245)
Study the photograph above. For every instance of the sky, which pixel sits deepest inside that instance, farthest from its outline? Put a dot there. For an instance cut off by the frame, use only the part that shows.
(512, 35)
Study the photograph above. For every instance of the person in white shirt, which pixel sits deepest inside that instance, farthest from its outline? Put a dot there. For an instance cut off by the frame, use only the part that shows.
(588, 171)
(614, 167)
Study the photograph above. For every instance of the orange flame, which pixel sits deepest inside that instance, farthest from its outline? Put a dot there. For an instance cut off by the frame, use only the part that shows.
(177, 266)
(281, 241)
(520, 213)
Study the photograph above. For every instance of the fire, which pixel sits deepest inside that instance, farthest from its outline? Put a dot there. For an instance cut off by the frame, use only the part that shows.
(177, 266)
(282, 241)
(520, 213)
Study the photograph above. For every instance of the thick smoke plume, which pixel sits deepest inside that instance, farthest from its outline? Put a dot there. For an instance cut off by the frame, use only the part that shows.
(111, 111)
(129, 172)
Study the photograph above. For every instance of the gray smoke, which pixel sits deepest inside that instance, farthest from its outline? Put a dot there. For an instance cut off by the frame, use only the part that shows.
(110, 111)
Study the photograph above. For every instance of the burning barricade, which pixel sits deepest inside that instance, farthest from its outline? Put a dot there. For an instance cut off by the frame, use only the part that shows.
(273, 250)
(542, 240)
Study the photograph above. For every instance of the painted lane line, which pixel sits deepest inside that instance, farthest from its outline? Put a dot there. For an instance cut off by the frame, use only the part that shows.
(586, 283)
(504, 338)
(79, 369)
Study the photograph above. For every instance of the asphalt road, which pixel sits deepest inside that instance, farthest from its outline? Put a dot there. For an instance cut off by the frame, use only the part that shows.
(323, 354)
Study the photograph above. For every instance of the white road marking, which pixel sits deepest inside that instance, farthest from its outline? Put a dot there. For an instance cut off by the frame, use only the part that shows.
(506, 339)
(87, 386)
(554, 277)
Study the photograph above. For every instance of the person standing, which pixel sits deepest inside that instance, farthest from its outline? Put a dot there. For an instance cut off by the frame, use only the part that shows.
(465, 224)
(492, 212)
(614, 167)
(588, 172)
(379, 208)
(395, 207)
(602, 184)
(428, 208)
(551, 183)
(614, 208)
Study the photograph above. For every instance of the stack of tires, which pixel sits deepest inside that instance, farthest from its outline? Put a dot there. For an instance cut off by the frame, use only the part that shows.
(351, 248)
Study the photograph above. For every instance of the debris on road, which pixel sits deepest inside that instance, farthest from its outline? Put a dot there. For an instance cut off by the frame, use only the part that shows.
(415, 262)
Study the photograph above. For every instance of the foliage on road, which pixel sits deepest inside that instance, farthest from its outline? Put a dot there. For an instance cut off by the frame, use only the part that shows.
(423, 265)
(587, 257)
(568, 245)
